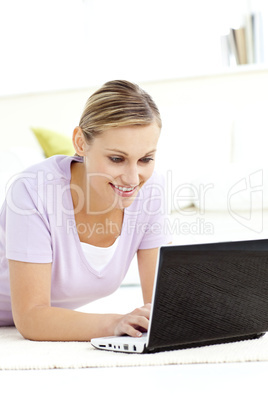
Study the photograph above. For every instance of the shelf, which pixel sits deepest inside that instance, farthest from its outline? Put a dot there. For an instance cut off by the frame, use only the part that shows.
(240, 69)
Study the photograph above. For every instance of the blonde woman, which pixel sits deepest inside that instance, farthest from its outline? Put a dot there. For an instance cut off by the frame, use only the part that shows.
(70, 226)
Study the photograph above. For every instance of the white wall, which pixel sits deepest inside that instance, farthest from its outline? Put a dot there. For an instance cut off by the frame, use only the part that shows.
(59, 44)
(207, 120)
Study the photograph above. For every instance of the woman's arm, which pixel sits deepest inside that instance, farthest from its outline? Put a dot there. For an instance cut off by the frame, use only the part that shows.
(36, 320)
(147, 264)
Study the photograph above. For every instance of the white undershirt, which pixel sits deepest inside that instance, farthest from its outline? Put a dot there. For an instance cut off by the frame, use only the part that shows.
(98, 257)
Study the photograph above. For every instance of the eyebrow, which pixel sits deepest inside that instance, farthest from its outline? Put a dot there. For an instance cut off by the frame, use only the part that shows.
(126, 154)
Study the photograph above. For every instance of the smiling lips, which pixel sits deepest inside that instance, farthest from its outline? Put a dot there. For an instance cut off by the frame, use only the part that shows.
(124, 191)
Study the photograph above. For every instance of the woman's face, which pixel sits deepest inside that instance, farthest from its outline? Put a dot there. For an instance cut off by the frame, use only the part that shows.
(118, 162)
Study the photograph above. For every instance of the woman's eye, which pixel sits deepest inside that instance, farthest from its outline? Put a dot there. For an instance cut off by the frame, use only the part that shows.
(116, 159)
(146, 160)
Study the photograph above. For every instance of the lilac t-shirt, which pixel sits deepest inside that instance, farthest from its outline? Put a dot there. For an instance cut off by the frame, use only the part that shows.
(37, 225)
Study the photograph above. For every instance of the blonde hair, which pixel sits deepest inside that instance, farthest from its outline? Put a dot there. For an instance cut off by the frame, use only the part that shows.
(116, 104)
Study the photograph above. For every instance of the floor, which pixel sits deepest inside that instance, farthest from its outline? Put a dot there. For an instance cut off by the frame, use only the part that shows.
(203, 382)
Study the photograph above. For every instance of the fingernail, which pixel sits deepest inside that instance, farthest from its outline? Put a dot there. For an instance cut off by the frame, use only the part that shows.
(139, 334)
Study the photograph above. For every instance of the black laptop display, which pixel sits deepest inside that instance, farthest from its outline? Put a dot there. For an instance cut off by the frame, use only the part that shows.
(204, 294)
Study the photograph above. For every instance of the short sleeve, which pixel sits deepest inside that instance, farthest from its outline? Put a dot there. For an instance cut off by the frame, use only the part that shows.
(157, 227)
(28, 235)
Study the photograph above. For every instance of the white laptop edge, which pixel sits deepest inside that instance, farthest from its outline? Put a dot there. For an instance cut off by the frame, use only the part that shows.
(127, 343)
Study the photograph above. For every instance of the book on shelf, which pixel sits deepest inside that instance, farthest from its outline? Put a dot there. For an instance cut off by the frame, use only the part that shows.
(229, 51)
(257, 29)
(249, 38)
(244, 45)
(239, 36)
(226, 51)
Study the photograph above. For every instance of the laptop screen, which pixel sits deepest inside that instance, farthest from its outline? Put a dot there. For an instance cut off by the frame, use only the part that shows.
(210, 292)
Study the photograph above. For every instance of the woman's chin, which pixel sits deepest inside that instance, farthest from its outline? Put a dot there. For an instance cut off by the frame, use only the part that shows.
(122, 201)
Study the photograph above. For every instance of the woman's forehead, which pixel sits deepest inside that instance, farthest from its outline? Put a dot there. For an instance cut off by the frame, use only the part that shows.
(120, 137)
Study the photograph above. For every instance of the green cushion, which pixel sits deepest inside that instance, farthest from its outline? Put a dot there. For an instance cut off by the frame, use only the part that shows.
(53, 143)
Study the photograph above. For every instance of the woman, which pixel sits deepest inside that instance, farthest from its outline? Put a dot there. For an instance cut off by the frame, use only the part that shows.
(70, 226)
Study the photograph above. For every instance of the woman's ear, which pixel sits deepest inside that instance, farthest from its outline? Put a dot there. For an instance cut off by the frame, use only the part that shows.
(79, 142)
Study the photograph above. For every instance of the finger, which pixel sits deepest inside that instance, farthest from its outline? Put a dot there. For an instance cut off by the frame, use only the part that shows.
(142, 311)
(139, 324)
(132, 325)
(133, 332)
(127, 329)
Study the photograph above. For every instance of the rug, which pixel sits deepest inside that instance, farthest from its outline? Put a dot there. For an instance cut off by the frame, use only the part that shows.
(17, 353)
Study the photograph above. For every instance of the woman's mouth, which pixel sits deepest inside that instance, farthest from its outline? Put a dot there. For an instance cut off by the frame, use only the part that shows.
(124, 191)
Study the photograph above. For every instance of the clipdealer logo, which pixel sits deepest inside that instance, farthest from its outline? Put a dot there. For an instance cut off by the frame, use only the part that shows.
(250, 190)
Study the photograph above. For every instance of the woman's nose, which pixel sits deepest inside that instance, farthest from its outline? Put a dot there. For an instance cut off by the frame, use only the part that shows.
(130, 176)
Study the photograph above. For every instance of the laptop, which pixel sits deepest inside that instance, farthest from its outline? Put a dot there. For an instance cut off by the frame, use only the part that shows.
(203, 294)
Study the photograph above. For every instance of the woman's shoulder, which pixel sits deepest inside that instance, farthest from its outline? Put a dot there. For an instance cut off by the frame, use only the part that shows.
(155, 182)
(36, 178)
(54, 168)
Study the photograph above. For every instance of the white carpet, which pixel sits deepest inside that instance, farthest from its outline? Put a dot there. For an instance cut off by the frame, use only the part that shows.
(16, 353)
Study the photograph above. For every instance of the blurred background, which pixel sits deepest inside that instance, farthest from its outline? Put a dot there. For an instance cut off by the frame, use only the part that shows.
(203, 61)
(63, 44)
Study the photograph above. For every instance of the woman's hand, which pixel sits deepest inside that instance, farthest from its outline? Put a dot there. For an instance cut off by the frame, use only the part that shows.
(134, 323)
